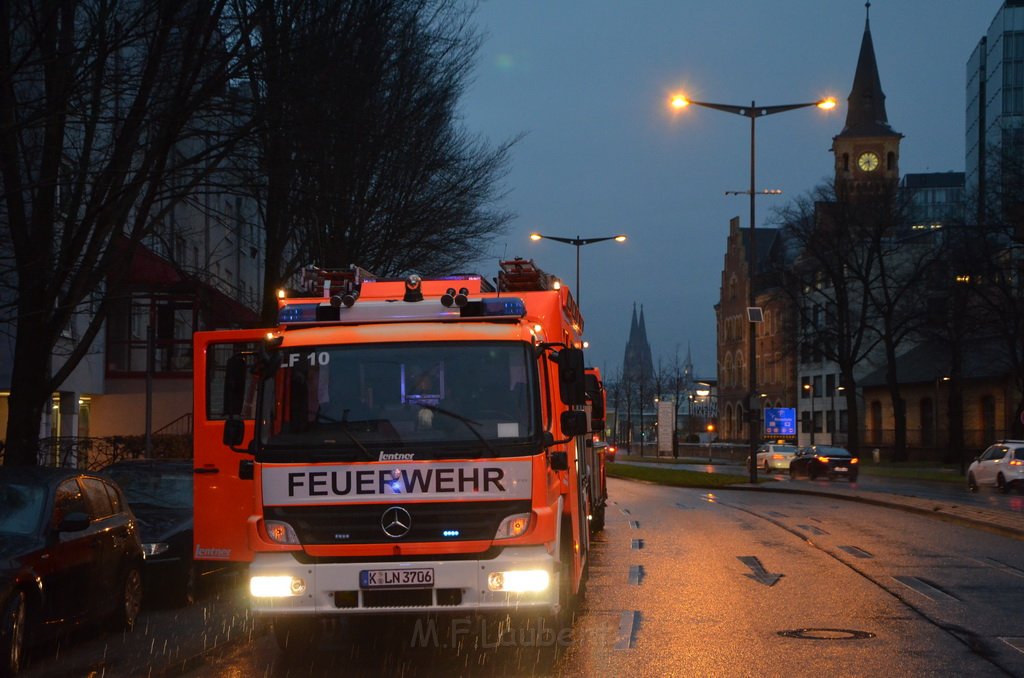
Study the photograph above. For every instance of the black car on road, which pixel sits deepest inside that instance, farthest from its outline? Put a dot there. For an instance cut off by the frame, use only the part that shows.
(159, 492)
(70, 555)
(828, 461)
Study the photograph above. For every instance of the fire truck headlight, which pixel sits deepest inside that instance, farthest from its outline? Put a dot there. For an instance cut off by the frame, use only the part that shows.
(519, 581)
(276, 587)
(514, 525)
(281, 532)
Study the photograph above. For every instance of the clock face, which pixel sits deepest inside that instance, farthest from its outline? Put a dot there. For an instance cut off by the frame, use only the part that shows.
(868, 162)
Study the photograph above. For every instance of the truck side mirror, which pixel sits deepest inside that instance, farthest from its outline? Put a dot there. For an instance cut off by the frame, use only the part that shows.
(571, 377)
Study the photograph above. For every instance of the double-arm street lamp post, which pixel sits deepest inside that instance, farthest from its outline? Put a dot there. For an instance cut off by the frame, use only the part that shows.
(753, 112)
(578, 242)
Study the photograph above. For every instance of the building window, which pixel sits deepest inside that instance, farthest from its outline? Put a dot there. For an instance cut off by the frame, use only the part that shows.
(172, 319)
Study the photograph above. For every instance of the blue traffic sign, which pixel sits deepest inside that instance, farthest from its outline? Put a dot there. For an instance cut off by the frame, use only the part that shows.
(779, 421)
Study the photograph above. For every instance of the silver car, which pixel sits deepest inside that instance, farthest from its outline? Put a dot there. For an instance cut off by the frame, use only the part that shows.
(1000, 466)
(775, 456)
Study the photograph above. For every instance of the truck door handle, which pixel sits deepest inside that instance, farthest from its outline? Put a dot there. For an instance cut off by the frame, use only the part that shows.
(205, 470)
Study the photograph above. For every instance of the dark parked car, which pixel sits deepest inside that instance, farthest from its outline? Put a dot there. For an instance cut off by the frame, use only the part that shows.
(69, 555)
(824, 460)
(159, 492)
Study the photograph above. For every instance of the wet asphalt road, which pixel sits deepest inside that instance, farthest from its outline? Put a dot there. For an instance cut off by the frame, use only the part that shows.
(682, 582)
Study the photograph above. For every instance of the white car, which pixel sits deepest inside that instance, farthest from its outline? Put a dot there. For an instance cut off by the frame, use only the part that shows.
(1000, 466)
(773, 456)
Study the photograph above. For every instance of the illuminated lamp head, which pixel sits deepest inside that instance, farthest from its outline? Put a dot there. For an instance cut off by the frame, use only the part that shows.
(413, 288)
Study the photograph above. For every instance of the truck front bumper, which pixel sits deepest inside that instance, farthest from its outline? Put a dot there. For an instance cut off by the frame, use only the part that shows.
(457, 586)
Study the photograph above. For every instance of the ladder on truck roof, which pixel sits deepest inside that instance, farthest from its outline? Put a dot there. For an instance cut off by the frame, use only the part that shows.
(522, 275)
(325, 281)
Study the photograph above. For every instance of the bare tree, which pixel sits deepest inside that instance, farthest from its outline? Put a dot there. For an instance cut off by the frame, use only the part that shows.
(100, 102)
(364, 157)
(990, 274)
(825, 282)
(861, 272)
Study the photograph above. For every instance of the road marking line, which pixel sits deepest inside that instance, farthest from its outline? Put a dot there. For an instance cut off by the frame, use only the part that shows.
(816, 531)
(760, 574)
(626, 637)
(1015, 643)
(926, 589)
(854, 551)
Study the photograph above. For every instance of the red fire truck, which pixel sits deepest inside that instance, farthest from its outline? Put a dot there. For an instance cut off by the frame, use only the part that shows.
(414, 446)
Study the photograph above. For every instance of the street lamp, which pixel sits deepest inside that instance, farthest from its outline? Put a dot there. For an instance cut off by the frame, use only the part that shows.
(810, 393)
(578, 242)
(680, 102)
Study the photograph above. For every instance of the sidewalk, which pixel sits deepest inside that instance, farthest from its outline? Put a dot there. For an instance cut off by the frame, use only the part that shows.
(1004, 523)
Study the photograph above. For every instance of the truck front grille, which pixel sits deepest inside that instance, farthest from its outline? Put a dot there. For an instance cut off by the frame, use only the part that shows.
(428, 521)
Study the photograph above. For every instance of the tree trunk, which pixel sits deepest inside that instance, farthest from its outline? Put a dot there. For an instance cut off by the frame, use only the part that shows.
(30, 393)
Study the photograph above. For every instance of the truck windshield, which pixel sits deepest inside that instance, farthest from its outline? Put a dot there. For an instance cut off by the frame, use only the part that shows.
(372, 401)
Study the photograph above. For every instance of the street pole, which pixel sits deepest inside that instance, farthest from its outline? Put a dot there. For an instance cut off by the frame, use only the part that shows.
(753, 112)
(578, 242)
(814, 425)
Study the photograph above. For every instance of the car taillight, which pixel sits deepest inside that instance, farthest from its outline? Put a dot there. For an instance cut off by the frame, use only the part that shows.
(1016, 462)
(854, 460)
(823, 459)
(776, 456)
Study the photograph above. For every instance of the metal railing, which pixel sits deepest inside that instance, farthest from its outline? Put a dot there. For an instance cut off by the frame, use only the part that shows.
(180, 426)
(93, 454)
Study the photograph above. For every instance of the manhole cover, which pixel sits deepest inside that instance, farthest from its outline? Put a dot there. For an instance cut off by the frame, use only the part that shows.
(827, 634)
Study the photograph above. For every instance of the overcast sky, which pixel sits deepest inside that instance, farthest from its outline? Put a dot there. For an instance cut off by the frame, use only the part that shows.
(587, 82)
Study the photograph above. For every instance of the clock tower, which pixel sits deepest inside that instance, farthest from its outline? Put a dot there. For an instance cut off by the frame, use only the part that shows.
(867, 151)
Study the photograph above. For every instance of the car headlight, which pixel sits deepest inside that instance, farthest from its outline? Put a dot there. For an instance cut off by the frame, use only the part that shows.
(154, 549)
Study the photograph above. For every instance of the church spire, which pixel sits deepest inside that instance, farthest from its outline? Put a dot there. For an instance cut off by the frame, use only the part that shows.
(637, 363)
(865, 113)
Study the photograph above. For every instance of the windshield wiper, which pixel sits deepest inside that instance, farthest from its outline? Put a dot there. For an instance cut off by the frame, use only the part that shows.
(470, 424)
(348, 434)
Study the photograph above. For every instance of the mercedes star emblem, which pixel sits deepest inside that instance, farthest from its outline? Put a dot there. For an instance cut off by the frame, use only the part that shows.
(396, 522)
